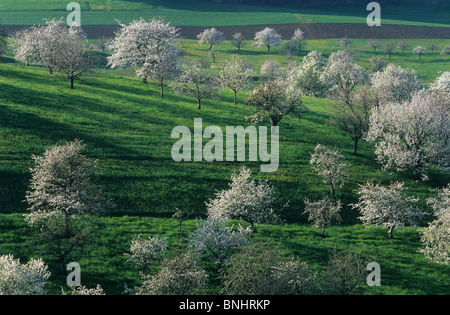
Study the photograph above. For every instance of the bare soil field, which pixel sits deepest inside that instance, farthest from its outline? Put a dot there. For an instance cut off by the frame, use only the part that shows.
(312, 31)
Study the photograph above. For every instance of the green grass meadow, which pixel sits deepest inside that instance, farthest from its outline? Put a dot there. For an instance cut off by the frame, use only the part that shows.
(127, 127)
(202, 13)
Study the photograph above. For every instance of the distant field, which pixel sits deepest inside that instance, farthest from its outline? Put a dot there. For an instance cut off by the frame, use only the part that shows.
(194, 13)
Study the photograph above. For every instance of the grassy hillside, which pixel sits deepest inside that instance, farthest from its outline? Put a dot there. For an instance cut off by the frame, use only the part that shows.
(198, 13)
(126, 126)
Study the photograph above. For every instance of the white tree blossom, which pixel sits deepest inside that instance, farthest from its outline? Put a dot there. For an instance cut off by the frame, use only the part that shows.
(22, 279)
(343, 75)
(436, 237)
(323, 213)
(235, 75)
(40, 44)
(246, 199)
(83, 290)
(180, 275)
(445, 51)
(150, 47)
(442, 83)
(211, 37)
(373, 44)
(403, 45)
(144, 251)
(419, 51)
(238, 41)
(56, 47)
(306, 77)
(215, 236)
(271, 68)
(63, 198)
(395, 84)
(268, 37)
(61, 184)
(412, 134)
(331, 165)
(378, 63)
(73, 58)
(272, 101)
(386, 206)
(353, 118)
(298, 41)
(196, 82)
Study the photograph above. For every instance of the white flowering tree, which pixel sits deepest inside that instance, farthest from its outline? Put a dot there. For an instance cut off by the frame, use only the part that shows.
(386, 206)
(306, 77)
(389, 48)
(378, 63)
(373, 44)
(323, 213)
(246, 199)
(180, 275)
(63, 200)
(403, 45)
(436, 237)
(22, 279)
(55, 47)
(330, 164)
(395, 84)
(143, 251)
(211, 37)
(271, 68)
(73, 58)
(271, 101)
(413, 134)
(419, 51)
(268, 37)
(83, 290)
(238, 41)
(40, 44)
(216, 237)
(353, 118)
(148, 46)
(196, 82)
(298, 41)
(343, 75)
(445, 51)
(259, 269)
(235, 75)
(442, 83)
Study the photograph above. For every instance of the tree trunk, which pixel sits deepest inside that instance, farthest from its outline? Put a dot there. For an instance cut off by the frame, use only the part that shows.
(235, 101)
(323, 232)
(330, 180)
(199, 105)
(390, 232)
(144, 80)
(162, 88)
(63, 266)
(355, 148)
(72, 79)
(418, 171)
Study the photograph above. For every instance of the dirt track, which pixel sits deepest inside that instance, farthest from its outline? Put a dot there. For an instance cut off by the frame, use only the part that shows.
(312, 31)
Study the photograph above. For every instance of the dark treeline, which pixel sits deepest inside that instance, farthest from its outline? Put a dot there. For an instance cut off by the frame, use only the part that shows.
(304, 2)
